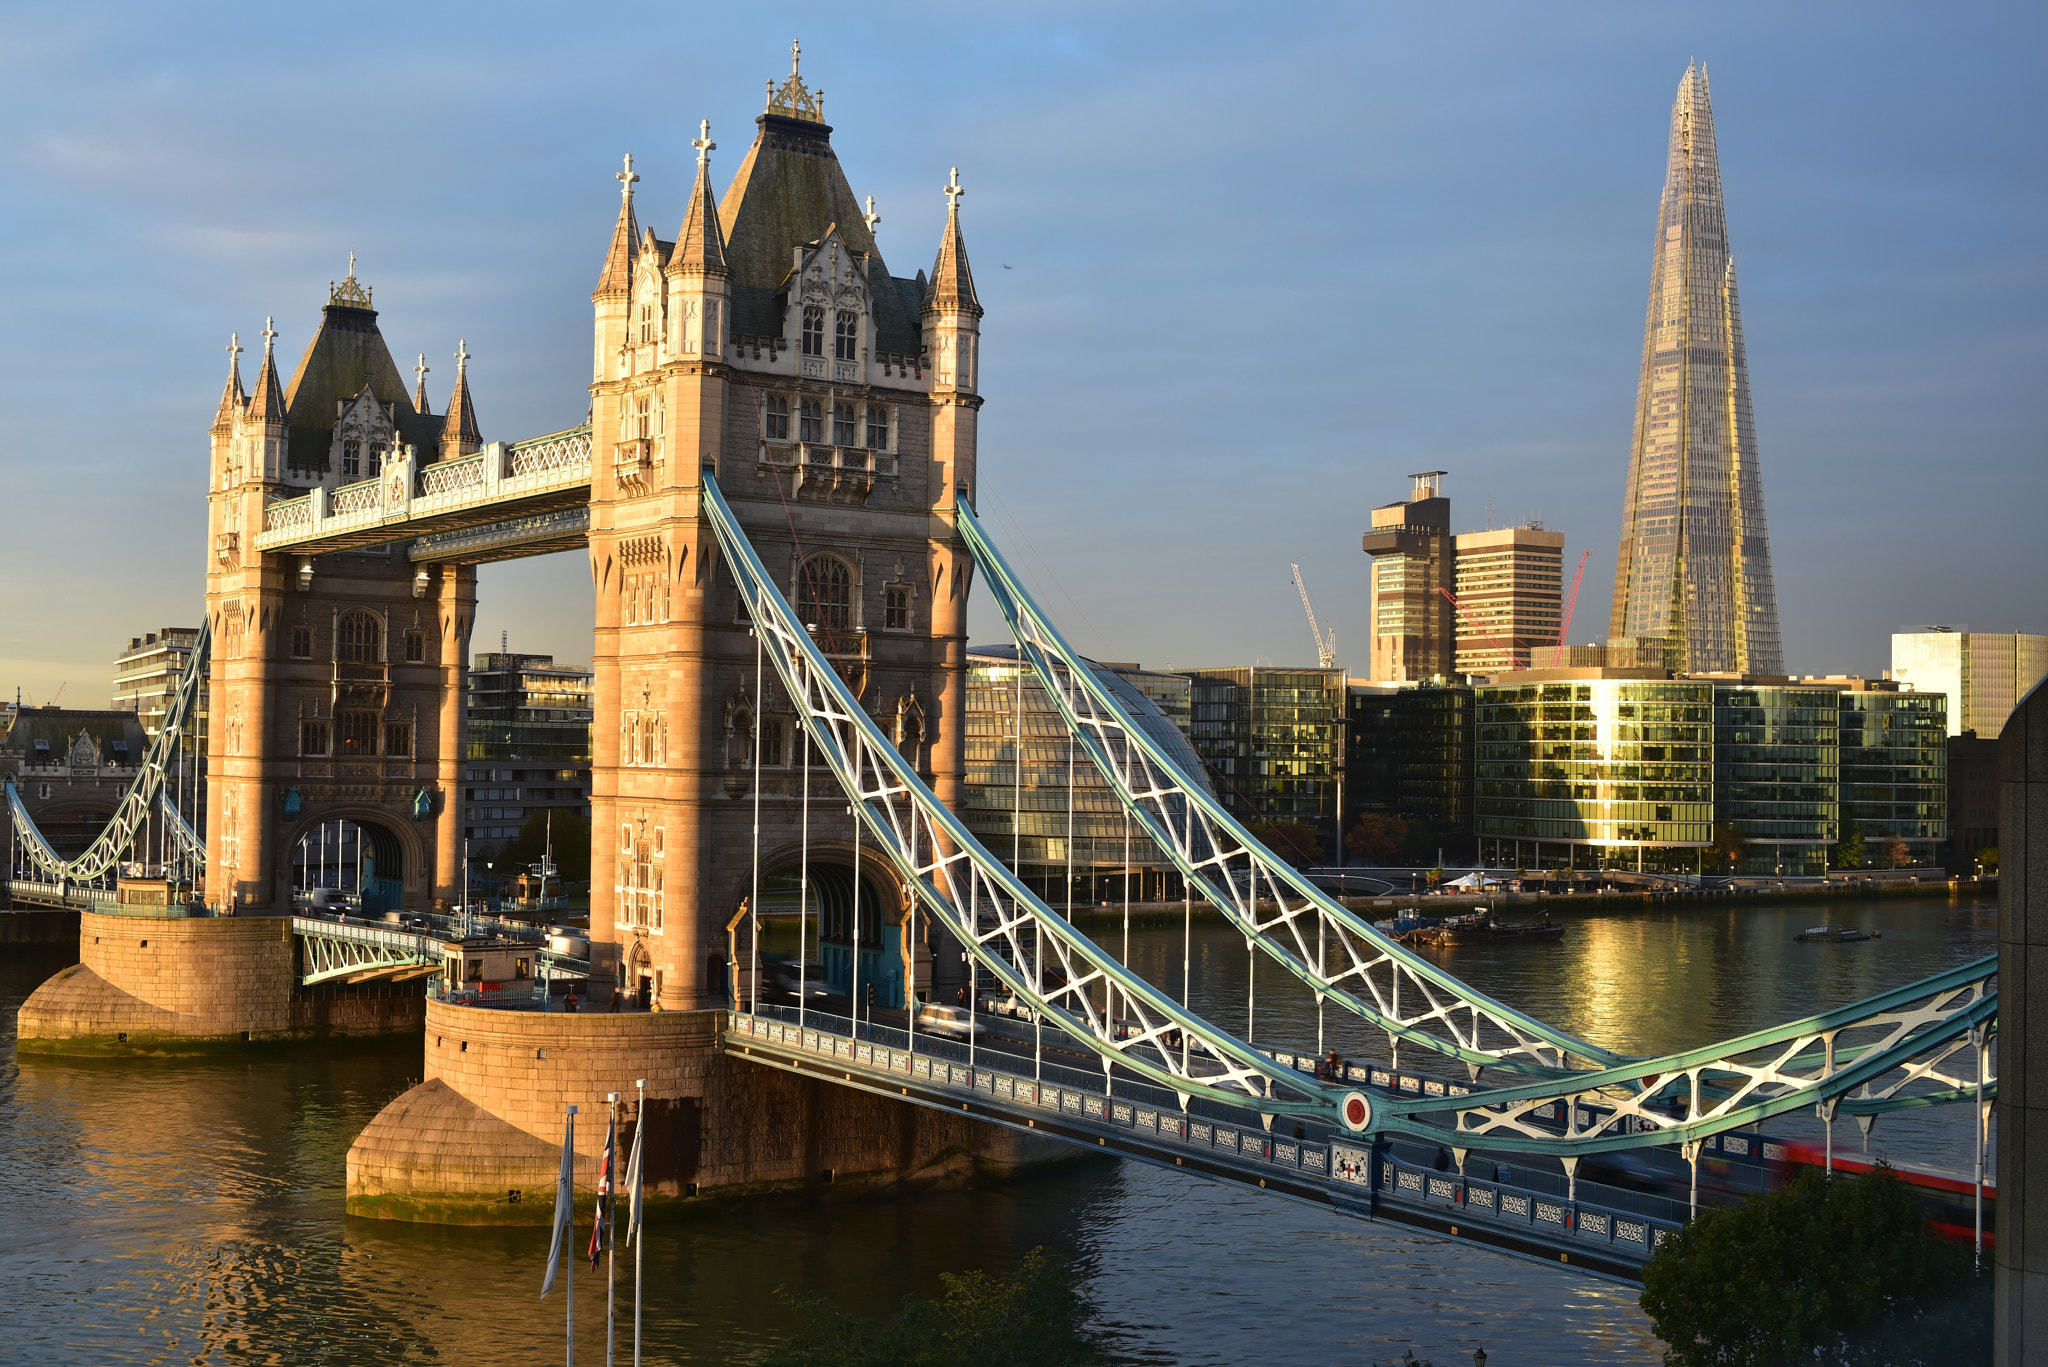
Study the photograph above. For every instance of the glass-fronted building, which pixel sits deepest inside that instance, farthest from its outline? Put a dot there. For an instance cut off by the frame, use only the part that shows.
(1776, 774)
(1271, 738)
(528, 743)
(1035, 799)
(1984, 674)
(1594, 772)
(1894, 770)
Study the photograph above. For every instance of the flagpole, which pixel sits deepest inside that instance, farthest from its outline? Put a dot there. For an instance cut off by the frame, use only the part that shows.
(639, 1134)
(611, 1261)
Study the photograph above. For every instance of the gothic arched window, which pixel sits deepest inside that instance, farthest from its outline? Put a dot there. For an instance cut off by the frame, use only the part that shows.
(846, 336)
(810, 422)
(814, 331)
(826, 593)
(359, 638)
(845, 428)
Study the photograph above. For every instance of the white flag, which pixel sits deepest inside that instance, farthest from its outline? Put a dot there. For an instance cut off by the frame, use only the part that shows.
(565, 1201)
(633, 1173)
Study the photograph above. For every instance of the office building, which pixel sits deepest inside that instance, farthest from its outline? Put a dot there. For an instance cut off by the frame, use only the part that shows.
(1694, 566)
(1894, 757)
(1041, 806)
(1972, 800)
(1510, 586)
(146, 677)
(1983, 673)
(1413, 634)
(1777, 773)
(1409, 755)
(528, 745)
(1272, 740)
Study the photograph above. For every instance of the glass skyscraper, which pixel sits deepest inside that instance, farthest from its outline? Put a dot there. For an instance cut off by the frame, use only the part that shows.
(1694, 570)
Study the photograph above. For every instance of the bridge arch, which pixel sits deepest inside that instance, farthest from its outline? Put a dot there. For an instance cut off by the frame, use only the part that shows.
(338, 841)
(891, 940)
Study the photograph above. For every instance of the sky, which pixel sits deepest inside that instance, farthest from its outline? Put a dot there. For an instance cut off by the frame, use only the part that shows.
(1245, 267)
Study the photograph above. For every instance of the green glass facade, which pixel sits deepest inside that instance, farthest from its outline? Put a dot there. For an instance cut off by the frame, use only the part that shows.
(1621, 763)
(1894, 770)
(1776, 775)
(1271, 740)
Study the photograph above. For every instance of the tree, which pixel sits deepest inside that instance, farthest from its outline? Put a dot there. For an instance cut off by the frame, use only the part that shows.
(1728, 846)
(1894, 854)
(1036, 1318)
(1987, 859)
(1848, 852)
(1378, 835)
(1291, 840)
(1822, 1270)
(571, 842)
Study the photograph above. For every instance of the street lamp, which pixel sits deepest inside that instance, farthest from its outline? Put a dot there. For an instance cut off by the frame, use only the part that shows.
(1478, 1357)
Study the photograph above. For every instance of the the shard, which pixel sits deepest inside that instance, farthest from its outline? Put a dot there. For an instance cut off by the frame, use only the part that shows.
(1694, 572)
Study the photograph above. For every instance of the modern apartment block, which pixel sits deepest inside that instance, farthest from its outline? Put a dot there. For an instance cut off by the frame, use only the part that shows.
(1409, 755)
(1511, 583)
(1413, 631)
(1035, 799)
(146, 676)
(1272, 740)
(528, 744)
(1694, 565)
(1984, 673)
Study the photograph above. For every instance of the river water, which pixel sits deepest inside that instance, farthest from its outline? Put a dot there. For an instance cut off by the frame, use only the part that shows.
(190, 1212)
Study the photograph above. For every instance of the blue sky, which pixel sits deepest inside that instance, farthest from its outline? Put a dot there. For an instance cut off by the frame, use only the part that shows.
(1245, 267)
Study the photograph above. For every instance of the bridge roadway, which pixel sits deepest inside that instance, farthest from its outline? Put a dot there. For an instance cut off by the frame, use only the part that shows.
(1532, 1214)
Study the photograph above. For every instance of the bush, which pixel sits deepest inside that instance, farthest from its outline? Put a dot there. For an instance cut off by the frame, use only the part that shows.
(1818, 1271)
(1033, 1319)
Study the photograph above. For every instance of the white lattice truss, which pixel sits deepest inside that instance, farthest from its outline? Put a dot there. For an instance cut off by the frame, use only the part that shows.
(349, 952)
(1333, 950)
(1892, 1052)
(1051, 967)
(146, 796)
(564, 450)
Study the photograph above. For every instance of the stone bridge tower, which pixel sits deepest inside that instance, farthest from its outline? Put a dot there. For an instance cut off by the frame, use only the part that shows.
(337, 680)
(836, 403)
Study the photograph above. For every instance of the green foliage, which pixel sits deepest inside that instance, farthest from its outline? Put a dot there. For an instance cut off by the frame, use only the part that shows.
(1894, 854)
(1377, 835)
(1728, 846)
(572, 847)
(1987, 859)
(1848, 852)
(1841, 1273)
(1036, 1318)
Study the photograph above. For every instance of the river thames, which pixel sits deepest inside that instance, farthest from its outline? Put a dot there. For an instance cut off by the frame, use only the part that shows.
(190, 1212)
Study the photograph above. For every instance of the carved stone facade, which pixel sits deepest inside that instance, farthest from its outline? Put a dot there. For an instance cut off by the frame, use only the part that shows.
(836, 404)
(337, 680)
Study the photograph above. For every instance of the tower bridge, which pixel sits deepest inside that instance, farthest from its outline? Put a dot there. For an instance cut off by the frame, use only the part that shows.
(774, 494)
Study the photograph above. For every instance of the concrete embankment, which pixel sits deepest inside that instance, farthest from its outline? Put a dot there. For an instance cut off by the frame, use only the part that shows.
(479, 1140)
(173, 986)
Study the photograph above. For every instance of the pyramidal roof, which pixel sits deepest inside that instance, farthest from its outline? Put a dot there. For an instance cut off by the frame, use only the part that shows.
(700, 241)
(270, 403)
(617, 275)
(459, 432)
(231, 396)
(347, 352)
(952, 280)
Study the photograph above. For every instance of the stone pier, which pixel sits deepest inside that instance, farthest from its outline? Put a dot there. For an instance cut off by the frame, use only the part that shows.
(2021, 1264)
(168, 985)
(479, 1141)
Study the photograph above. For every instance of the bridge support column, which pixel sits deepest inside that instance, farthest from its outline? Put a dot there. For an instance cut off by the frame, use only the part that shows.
(2021, 1261)
(455, 603)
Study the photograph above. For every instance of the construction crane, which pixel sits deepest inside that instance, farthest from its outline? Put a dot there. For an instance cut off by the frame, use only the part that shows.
(1326, 646)
(1564, 624)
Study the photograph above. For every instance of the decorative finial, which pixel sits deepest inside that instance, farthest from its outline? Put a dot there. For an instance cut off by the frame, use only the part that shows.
(421, 370)
(269, 337)
(461, 356)
(349, 292)
(626, 178)
(871, 218)
(351, 265)
(792, 99)
(796, 53)
(953, 191)
(234, 351)
(703, 143)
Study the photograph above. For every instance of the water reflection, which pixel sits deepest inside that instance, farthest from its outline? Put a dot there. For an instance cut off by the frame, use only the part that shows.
(190, 1212)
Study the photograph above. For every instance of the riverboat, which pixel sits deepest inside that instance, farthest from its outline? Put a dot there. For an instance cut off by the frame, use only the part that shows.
(1481, 929)
(1837, 935)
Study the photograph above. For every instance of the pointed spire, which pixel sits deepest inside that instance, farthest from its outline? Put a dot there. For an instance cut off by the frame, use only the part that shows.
(460, 435)
(700, 242)
(952, 280)
(618, 262)
(419, 393)
(231, 397)
(267, 404)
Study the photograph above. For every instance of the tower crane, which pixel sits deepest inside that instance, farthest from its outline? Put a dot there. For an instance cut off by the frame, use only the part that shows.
(1326, 646)
(1564, 626)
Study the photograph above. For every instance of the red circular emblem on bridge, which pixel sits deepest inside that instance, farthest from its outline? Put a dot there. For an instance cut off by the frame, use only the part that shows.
(1356, 1111)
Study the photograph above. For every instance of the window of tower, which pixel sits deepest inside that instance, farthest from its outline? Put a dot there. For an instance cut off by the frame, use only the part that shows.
(771, 741)
(360, 636)
(302, 643)
(845, 429)
(398, 738)
(814, 332)
(878, 427)
(897, 611)
(646, 323)
(846, 336)
(642, 419)
(810, 420)
(775, 415)
(355, 733)
(313, 738)
(351, 457)
(415, 647)
(827, 593)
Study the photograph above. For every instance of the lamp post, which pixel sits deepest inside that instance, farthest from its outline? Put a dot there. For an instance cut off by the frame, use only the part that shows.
(1479, 1357)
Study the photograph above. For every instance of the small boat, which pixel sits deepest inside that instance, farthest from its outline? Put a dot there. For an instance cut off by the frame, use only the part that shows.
(1837, 935)
(1482, 929)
